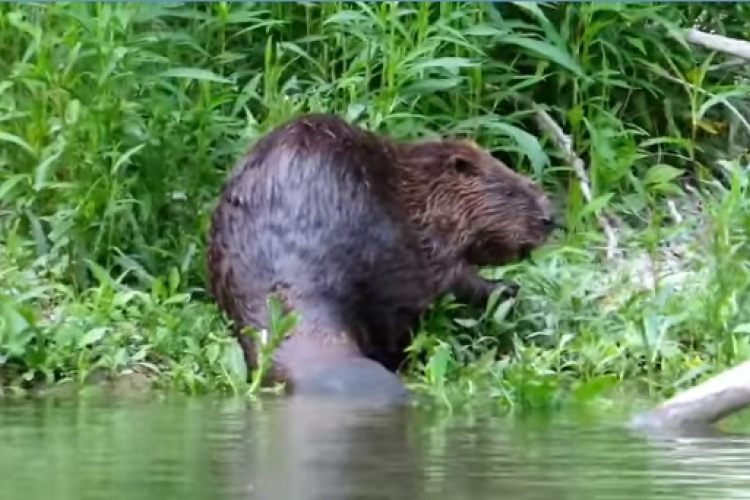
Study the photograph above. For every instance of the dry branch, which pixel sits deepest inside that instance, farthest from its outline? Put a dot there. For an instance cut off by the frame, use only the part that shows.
(565, 144)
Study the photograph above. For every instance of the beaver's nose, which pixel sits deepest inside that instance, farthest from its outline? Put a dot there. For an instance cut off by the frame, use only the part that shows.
(550, 223)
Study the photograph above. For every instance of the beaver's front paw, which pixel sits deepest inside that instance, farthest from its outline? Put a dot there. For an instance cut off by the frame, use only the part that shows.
(470, 288)
(508, 289)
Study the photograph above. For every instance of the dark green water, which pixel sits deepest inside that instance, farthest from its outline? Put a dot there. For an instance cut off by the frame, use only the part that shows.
(297, 449)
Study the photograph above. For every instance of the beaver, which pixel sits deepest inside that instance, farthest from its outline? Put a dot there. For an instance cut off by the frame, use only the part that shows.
(359, 234)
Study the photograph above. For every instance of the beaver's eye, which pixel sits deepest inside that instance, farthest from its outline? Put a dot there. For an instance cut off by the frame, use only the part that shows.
(461, 165)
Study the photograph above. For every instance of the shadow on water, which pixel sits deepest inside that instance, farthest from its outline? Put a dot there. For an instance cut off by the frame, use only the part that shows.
(314, 449)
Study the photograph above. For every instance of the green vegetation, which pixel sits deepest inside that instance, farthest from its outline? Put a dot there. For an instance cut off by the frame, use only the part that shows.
(119, 123)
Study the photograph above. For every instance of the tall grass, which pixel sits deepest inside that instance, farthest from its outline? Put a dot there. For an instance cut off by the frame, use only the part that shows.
(119, 123)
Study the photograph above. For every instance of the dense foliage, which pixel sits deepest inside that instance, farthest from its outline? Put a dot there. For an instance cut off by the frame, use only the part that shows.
(119, 123)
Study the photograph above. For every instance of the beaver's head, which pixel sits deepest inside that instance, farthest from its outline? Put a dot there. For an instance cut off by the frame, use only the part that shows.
(477, 203)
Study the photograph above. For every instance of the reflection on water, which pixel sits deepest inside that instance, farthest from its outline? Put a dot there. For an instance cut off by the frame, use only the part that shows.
(296, 448)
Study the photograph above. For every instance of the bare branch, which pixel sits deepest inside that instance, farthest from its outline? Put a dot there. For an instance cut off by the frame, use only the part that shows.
(565, 144)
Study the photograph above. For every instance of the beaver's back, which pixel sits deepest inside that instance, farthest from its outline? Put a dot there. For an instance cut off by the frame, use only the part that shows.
(312, 210)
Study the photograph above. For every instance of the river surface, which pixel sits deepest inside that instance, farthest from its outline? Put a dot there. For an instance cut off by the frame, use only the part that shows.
(288, 448)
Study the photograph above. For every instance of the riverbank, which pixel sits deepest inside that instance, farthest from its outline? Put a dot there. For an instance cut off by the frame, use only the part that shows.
(120, 123)
(661, 315)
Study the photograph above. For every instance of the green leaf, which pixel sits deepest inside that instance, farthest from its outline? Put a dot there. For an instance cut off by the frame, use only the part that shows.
(14, 139)
(195, 74)
(174, 280)
(15, 323)
(234, 360)
(72, 111)
(431, 85)
(102, 275)
(527, 144)
(11, 182)
(502, 311)
(466, 322)
(42, 170)
(596, 204)
(661, 174)
(452, 64)
(92, 336)
(125, 158)
(437, 366)
(547, 51)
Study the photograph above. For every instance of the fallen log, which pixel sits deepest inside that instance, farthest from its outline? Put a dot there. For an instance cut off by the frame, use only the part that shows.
(696, 411)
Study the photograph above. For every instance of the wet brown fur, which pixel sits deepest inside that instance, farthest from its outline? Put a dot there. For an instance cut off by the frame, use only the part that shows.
(360, 233)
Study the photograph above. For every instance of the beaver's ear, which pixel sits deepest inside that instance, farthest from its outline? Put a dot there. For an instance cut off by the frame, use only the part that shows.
(462, 165)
